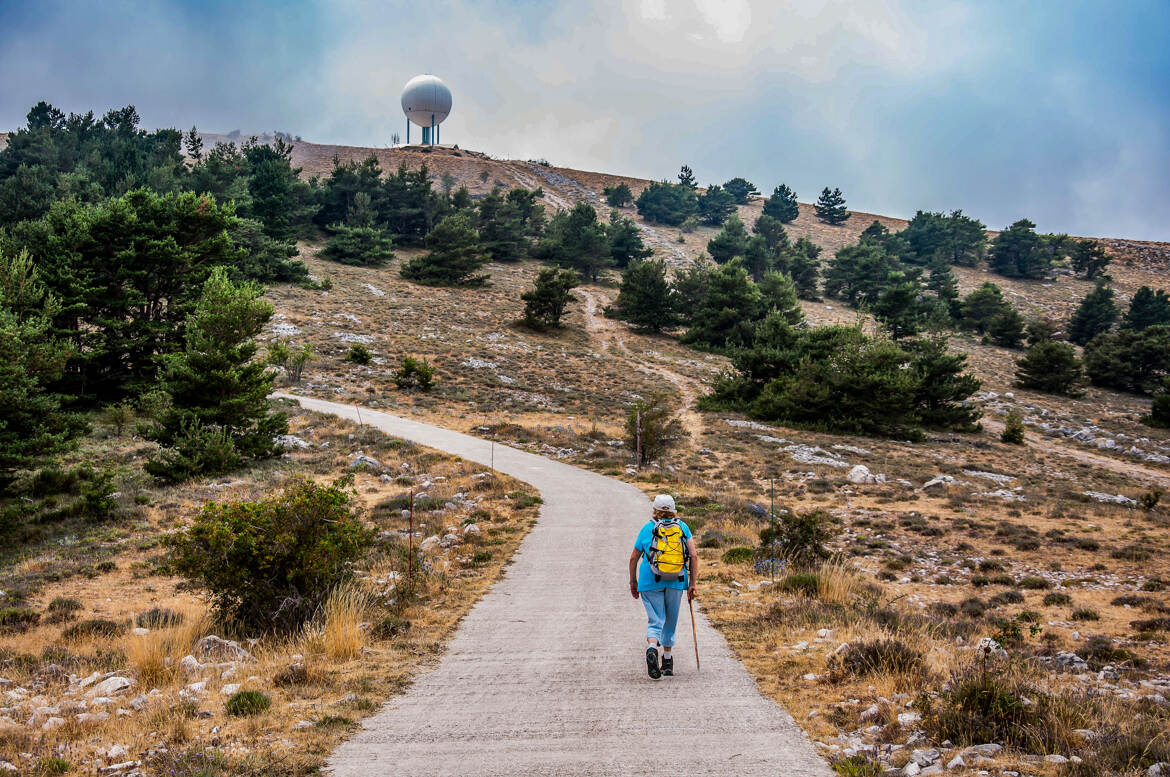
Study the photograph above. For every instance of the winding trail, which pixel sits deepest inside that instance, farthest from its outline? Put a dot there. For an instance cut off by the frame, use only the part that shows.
(545, 675)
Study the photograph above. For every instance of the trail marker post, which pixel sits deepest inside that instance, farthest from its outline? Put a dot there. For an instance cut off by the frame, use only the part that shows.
(410, 548)
(772, 512)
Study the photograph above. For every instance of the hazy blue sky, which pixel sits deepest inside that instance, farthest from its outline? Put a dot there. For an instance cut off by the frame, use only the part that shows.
(1058, 111)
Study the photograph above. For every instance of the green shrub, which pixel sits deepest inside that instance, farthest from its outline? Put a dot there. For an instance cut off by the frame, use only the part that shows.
(1005, 597)
(1057, 599)
(247, 703)
(739, 555)
(973, 607)
(1100, 650)
(414, 374)
(158, 618)
(1085, 614)
(18, 618)
(1013, 429)
(800, 538)
(53, 765)
(807, 583)
(269, 564)
(94, 628)
(359, 354)
(983, 703)
(857, 766)
(196, 450)
(870, 657)
(1154, 584)
(1034, 583)
(389, 627)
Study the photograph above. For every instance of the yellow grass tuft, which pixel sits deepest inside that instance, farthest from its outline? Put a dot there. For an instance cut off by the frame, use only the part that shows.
(837, 581)
(156, 655)
(337, 631)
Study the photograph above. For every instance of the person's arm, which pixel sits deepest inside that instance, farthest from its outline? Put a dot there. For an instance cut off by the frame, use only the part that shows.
(634, 558)
(694, 571)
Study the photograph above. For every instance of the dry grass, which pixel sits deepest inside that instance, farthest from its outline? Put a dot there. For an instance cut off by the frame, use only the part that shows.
(337, 633)
(155, 655)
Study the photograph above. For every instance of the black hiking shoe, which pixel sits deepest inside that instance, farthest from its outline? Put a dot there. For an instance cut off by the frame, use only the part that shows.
(668, 666)
(652, 663)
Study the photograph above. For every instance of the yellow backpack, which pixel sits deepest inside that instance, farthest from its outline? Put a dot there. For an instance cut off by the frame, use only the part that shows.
(667, 553)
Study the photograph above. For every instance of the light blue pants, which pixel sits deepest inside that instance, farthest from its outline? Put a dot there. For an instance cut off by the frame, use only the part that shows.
(662, 613)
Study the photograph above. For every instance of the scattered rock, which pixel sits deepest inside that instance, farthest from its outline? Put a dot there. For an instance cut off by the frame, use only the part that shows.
(430, 543)
(213, 648)
(861, 474)
(470, 529)
(112, 686)
(449, 541)
(362, 460)
(189, 665)
(1116, 499)
(290, 441)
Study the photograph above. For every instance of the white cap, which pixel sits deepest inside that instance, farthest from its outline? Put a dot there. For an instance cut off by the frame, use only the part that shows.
(664, 502)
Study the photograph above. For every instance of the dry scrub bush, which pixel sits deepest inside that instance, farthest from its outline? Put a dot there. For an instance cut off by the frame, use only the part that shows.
(838, 582)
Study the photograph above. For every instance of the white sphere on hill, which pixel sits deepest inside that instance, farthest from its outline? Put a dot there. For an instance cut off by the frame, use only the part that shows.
(426, 100)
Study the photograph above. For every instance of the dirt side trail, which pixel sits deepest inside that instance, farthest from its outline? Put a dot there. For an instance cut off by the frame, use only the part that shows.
(546, 675)
(609, 340)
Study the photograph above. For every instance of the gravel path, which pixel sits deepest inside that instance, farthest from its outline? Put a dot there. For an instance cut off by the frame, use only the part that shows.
(546, 674)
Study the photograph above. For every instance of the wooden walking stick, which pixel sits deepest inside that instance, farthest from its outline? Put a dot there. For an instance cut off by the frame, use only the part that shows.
(694, 634)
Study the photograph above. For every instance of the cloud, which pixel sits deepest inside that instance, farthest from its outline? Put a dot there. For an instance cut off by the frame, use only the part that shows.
(1000, 110)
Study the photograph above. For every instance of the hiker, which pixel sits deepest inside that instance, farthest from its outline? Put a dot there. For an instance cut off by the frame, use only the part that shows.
(662, 566)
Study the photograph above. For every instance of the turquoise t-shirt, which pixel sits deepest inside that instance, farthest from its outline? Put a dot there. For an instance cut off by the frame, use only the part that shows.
(646, 581)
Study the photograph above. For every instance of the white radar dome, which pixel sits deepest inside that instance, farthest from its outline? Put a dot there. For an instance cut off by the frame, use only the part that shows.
(426, 100)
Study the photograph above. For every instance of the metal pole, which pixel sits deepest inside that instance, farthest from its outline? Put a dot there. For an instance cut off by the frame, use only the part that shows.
(408, 132)
(410, 548)
(772, 559)
(638, 434)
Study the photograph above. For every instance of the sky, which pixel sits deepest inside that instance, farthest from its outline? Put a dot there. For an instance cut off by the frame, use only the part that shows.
(1053, 110)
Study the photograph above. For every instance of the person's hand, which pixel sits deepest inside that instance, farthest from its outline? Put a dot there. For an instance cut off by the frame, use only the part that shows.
(691, 594)
(634, 589)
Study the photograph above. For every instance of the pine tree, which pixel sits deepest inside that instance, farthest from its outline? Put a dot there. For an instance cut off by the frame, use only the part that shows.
(942, 386)
(219, 393)
(1147, 308)
(1013, 429)
(625, 240)
(778, 295)
(545, 302)
(32, 422)
(1160, 411)
(715, 206)
(1051, 367)
(900, 306)
(686, 177)
(1128, 360)
(280, 200)
(830, 207)
(618, 196)
(731, 241)
(741, 189)
(690, 288)
(943, 283)
(1018, 252)
(577, 240)
(360, 241)
(453, 258)
(1089, 259)
(782, 205)
(1096, 314)
(646, 299)
(729, 309)
(772, 231)
(1007, 328)
(804, 268)
(194, 143)
(980, 307)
